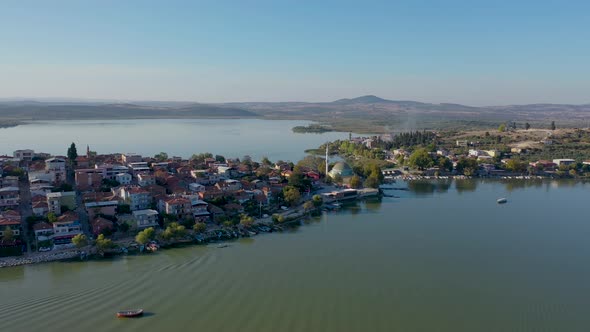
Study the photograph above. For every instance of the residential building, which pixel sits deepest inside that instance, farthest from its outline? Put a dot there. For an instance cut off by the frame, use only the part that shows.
(131, 158)
(9, 197)
(88, 178)
(138, 167)
(110, 171)
(107, 208)
(100, 225)
(178, 206)
(6, 223)
(137, 197)
(565, 162)
(58, 167)
(26, 155)
(123, 178)
(145, 179)
(56, 200)
(146, 218)
(65, 228)
(43, 231)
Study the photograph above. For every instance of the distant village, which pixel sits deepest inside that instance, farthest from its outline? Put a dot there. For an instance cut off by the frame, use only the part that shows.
(50, 203)
(47, 201)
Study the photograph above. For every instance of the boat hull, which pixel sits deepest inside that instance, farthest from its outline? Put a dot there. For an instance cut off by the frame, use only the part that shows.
(130, 313)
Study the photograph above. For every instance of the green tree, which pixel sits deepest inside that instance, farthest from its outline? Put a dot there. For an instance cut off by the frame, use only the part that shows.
(420, 159)
(553, 125)
(174, 231)
(162, 156)
(80, 241)
(317, 200)
(199, 227)
(527, 126)
(445, 163)
(72, 153)
(145, 236)
(291, 195)
(278, 219)
(467, 166)
(502, 128)
(102, 243)
(355, 181)
(372, 182)
(8, 234)
(308, 206)
(266, 161)
(516, 165)
(51, 217)
(246, 220)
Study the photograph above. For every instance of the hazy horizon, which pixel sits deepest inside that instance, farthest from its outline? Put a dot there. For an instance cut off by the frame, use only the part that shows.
(460, 52)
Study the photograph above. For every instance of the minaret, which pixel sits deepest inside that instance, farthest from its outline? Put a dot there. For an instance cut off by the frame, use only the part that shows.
(87, 151)
(327, 159)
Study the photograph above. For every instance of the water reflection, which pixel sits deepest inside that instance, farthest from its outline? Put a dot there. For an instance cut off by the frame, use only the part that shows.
(426, 187)
(465, 185)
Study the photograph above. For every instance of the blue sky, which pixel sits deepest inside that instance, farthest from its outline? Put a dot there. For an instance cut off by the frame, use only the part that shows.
(472, 52)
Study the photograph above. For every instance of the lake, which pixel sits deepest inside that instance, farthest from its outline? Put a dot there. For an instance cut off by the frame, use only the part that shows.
(178, 137)
(444, 256)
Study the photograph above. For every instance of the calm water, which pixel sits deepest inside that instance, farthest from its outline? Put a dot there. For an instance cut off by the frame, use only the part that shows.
(178, 137)
(442, 257)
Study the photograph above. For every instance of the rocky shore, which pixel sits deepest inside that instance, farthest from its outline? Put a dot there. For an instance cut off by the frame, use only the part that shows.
(39, 258)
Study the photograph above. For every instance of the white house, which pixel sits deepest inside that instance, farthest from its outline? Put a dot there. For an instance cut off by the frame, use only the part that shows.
(24, 154)
(137, 197)
(565, 162)
(146, 218)
(58, 167)
(123, 178)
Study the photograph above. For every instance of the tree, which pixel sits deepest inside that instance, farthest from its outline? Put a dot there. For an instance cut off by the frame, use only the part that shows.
(145, 236)
(80, 241)
(372, 182)
(527, 126)
(246, 220)
(467, 166)
(219, 158)
(266, 161)
(8, 234)
(102, 243)
(51, 217)
(445, 163)
(278, 219)
(173, 231)
(502, 128)
(292, 195)
(420, 159)
(299, 181)
(199, 227)
(308, 206)
(162, 156)
(355, 181)
(516, 165)
(72, 153)
(123, 227)
(552, 125)
(317, 200)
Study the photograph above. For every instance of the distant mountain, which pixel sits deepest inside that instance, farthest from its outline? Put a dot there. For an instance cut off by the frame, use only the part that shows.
(367, 113)
(368, 99)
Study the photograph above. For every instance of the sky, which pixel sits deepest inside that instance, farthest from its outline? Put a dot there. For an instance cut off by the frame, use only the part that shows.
(469, 51)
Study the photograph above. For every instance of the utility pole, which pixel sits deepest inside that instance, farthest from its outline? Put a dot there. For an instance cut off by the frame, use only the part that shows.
(327, 158)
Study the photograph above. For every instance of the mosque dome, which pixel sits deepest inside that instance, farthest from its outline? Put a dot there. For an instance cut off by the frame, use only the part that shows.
(341, 168)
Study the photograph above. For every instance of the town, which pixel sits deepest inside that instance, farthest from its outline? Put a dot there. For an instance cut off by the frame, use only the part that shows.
(59, 206)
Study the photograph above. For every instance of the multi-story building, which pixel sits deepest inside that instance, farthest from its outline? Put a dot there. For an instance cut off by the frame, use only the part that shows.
(146, 218)
(56, 200)
(57, 166)
(137, 197)
(9, 197)
(26, 155)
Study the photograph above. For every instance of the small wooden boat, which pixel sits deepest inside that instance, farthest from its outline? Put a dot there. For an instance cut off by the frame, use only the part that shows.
(502, 200)
(130, 313)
